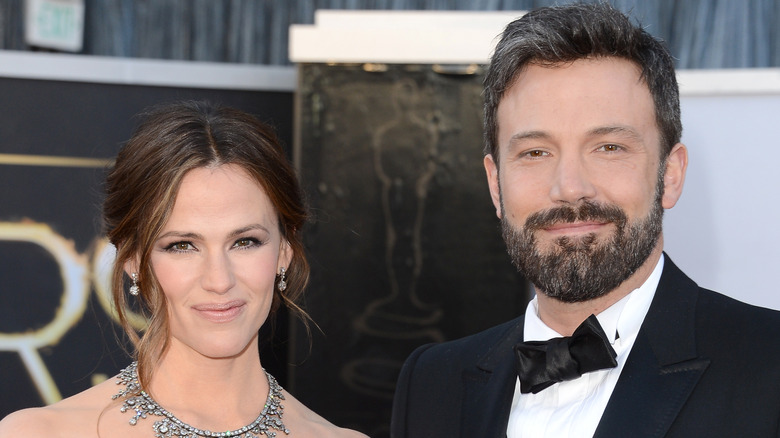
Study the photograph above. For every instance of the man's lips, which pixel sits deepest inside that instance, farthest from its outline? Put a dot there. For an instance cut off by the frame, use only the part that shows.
(575, 227)
(220, 312)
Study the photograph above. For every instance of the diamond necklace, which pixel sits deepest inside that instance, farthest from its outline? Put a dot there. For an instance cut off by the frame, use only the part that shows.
(136, 399)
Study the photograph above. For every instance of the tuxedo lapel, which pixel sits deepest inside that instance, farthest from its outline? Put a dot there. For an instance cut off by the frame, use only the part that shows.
(663, 366)
(488, 388)
(648, 395)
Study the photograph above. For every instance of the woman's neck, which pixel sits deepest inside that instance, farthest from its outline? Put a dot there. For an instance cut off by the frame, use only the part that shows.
(208, 393)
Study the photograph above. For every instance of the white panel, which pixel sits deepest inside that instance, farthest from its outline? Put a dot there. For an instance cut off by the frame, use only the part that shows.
(408, 47)
(134, 71)
(414, 37)
(454, 20)
(725, 230)
(729, 81)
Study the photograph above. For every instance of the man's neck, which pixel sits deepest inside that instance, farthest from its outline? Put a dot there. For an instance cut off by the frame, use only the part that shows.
(564, 318)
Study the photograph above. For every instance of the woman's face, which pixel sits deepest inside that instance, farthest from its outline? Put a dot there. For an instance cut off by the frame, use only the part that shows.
(216, 260)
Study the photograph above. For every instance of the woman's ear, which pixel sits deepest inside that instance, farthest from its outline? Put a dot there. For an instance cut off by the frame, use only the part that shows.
(131, 266)
(285, 255)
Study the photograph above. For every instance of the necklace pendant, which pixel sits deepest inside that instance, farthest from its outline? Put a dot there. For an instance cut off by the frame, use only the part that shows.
(161, 429)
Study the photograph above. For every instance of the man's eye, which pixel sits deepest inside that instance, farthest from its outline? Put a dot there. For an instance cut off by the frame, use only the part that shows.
(536, 154)
(610, 148)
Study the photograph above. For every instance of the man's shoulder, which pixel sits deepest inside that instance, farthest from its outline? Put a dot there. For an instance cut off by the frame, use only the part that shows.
(433, 374)
(719, 300)
(722, 325)
(677, 289)
(718, 309)
(472, 348)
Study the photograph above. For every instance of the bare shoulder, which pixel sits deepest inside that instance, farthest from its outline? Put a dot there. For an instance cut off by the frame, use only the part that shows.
(75, 416)
(349, 433)
(303, 422)
(340, 432)
(30, 422)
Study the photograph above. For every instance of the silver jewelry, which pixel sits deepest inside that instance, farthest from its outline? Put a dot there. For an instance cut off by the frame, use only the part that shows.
(134, 289)
(282, 285)
(135, 398)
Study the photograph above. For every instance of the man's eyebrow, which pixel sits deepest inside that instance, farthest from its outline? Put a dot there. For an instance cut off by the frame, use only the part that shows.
(624, 131)
(618, 130)
(528, 135)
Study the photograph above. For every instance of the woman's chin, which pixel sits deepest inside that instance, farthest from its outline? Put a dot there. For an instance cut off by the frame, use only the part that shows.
(223, 347)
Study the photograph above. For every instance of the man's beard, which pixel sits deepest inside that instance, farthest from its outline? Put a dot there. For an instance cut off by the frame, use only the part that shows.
(581, 269)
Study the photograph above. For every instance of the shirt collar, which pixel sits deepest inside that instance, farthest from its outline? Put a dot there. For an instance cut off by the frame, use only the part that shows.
(622, 318)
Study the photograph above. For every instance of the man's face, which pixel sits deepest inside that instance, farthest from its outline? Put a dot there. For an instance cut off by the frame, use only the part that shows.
(581, 188)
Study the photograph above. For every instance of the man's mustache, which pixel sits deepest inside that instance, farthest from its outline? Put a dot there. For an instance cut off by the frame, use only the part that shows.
(586, 211)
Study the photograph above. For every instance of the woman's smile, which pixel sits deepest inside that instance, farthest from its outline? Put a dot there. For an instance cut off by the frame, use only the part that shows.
(220, 312)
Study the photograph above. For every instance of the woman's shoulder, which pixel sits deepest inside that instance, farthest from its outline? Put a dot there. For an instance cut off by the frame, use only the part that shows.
(304, 422)
(316, 426)
(74, 416)
(27, 422)
(349, 433)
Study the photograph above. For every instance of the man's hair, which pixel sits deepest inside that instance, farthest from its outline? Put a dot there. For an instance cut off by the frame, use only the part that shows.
(558, 35)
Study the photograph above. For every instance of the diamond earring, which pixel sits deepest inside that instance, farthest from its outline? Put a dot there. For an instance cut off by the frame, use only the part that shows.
(134, 289)
(282, 284)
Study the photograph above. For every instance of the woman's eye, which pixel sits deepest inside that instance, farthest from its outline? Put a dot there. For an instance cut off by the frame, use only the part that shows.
(179, 247)
(245, 243)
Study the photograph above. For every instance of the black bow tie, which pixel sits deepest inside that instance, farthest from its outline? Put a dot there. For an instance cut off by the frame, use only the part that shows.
(541, 364)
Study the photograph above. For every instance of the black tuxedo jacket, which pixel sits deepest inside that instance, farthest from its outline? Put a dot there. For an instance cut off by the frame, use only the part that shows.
(703, 365)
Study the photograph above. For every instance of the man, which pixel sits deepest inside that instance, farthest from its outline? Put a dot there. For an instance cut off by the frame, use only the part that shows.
(582, 156)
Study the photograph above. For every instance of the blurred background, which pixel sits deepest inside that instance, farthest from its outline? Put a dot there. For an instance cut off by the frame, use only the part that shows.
(700, 33)
(403, 241)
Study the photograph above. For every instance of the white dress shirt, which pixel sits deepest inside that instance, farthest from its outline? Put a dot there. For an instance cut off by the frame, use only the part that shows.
(573, 408)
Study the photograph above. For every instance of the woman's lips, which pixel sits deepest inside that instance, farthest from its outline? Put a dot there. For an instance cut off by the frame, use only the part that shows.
(220, 312)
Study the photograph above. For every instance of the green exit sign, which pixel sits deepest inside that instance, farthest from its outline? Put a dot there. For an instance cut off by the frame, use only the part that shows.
(55, 24)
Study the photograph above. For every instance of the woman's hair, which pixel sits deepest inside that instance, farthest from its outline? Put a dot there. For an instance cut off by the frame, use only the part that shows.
(141, 190)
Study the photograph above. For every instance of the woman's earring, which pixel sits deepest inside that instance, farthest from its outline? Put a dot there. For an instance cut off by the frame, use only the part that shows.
(134, 289)
(282, 284)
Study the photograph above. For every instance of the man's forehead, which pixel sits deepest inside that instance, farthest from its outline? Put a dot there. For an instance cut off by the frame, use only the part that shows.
(553, 65)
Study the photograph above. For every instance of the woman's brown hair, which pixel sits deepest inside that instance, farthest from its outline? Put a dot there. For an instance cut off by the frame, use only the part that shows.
(141, 190)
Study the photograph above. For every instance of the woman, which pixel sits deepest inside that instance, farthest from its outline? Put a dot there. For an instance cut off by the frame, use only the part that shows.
(206, 215)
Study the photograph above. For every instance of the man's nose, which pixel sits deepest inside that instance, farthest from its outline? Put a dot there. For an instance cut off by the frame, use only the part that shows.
(572, 182)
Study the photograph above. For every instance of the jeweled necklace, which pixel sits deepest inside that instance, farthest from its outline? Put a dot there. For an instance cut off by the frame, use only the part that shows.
(267, 423)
